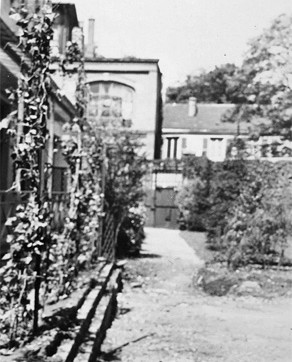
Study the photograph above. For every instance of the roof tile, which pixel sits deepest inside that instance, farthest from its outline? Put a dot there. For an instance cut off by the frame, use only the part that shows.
(207, 120)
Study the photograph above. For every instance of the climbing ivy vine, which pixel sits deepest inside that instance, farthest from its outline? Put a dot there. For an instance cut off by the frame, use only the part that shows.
(29, 230)
(40, 261)
(43, 263)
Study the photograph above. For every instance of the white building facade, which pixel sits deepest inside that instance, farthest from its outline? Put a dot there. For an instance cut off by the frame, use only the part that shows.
(198, 129)
(128, 89)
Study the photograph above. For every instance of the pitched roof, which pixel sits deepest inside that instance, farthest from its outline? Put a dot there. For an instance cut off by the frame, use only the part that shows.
(67, 8)
(207, 120)
(121, 60)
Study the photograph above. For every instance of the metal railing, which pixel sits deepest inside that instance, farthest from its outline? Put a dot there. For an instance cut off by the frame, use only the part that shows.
(108, 237)
(8, 203)
(59, 210)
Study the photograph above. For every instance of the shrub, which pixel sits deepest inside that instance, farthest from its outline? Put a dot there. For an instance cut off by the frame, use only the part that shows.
(225, 186)
(193, 204)
(131, 233)
(245, 207)
(261, 220)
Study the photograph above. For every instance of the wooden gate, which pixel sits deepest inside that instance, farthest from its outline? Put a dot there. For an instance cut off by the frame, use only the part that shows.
(161, 190)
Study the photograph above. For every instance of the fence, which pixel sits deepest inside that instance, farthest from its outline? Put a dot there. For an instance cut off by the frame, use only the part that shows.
(59, 209)
(108, 237)
(8, 202)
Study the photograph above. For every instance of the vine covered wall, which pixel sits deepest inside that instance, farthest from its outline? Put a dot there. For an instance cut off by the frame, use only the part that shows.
(105, 169)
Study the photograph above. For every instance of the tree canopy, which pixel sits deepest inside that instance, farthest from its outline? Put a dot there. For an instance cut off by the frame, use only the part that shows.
(265, 78)
(216, 86)
(261, 87)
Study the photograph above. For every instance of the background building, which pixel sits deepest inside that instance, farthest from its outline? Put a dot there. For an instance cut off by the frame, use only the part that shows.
(129, 89)
(198, 129)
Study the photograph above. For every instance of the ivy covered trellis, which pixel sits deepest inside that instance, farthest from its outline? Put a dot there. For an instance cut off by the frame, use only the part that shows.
(41, 262)
(104, 169)
(29, 229)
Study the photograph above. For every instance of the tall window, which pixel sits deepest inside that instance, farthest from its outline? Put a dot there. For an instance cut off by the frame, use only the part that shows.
(184, 142)
(110, 101)
(205, 147)
(172, 147)
(60, 175)
(216, 150)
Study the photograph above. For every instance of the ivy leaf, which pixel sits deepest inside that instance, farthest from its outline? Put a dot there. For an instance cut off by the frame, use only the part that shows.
(28, 260)
(10, 221)
(6, 256)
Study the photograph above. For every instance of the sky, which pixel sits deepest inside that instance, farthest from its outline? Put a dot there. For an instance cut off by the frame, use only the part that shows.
(185, 35)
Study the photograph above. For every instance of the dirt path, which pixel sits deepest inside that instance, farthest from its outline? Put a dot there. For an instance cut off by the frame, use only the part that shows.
(163, 317)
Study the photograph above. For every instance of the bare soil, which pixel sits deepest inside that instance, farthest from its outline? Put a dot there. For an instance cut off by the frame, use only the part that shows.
(165, 316)
(273, 281)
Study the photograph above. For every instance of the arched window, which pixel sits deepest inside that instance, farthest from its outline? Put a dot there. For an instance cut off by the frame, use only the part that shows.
(109, 102)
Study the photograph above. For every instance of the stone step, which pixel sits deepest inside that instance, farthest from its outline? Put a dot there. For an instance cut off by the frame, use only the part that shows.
(75, 339)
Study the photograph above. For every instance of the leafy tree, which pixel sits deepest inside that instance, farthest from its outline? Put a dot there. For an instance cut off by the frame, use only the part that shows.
(260, 220)
(264, 80)
(193, 203)
(225, 186)
(192, 199)
(261, 87)
(246, 209)
(216, 86)
(126, 167)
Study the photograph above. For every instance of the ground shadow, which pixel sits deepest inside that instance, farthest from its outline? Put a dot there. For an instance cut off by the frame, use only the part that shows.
(113, 355)
(123, 311)
(143, 255)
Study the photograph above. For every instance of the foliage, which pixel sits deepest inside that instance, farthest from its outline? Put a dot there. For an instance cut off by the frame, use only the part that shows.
(194, 166)
(131, 233)
(216, 86)
(126, 167)
(42, 264)
(264, 80)
(105, 167)
(246, 210)
(29, 232)
(209, 191)
(261, 219)
(29, 236)
(193, 203)
(237, 148)
(225, 185)
(261, 88)
(77, 245)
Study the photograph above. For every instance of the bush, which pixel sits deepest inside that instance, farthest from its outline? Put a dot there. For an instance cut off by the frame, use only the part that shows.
(243, 205)
(193, 204)
(225, 187)
(261, 220)
(131, 233)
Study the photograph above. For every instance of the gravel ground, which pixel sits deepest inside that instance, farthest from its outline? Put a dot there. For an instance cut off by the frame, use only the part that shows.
(164, 317)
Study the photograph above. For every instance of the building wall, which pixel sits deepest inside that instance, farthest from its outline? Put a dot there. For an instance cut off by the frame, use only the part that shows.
(144, 79)
(211, 145)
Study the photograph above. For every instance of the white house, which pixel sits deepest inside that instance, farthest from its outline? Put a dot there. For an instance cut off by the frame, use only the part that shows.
(198, 129)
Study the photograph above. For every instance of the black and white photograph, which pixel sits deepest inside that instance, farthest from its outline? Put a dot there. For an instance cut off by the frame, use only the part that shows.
(146, 180)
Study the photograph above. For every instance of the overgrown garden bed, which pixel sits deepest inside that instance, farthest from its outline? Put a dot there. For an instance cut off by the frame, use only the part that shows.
(244, 206)
(215, 278)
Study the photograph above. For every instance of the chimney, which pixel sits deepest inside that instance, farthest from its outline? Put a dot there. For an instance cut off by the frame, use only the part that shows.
(90, 43)
(193, 109)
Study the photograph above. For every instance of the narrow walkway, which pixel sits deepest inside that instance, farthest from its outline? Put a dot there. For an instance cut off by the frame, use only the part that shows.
(164, 317)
